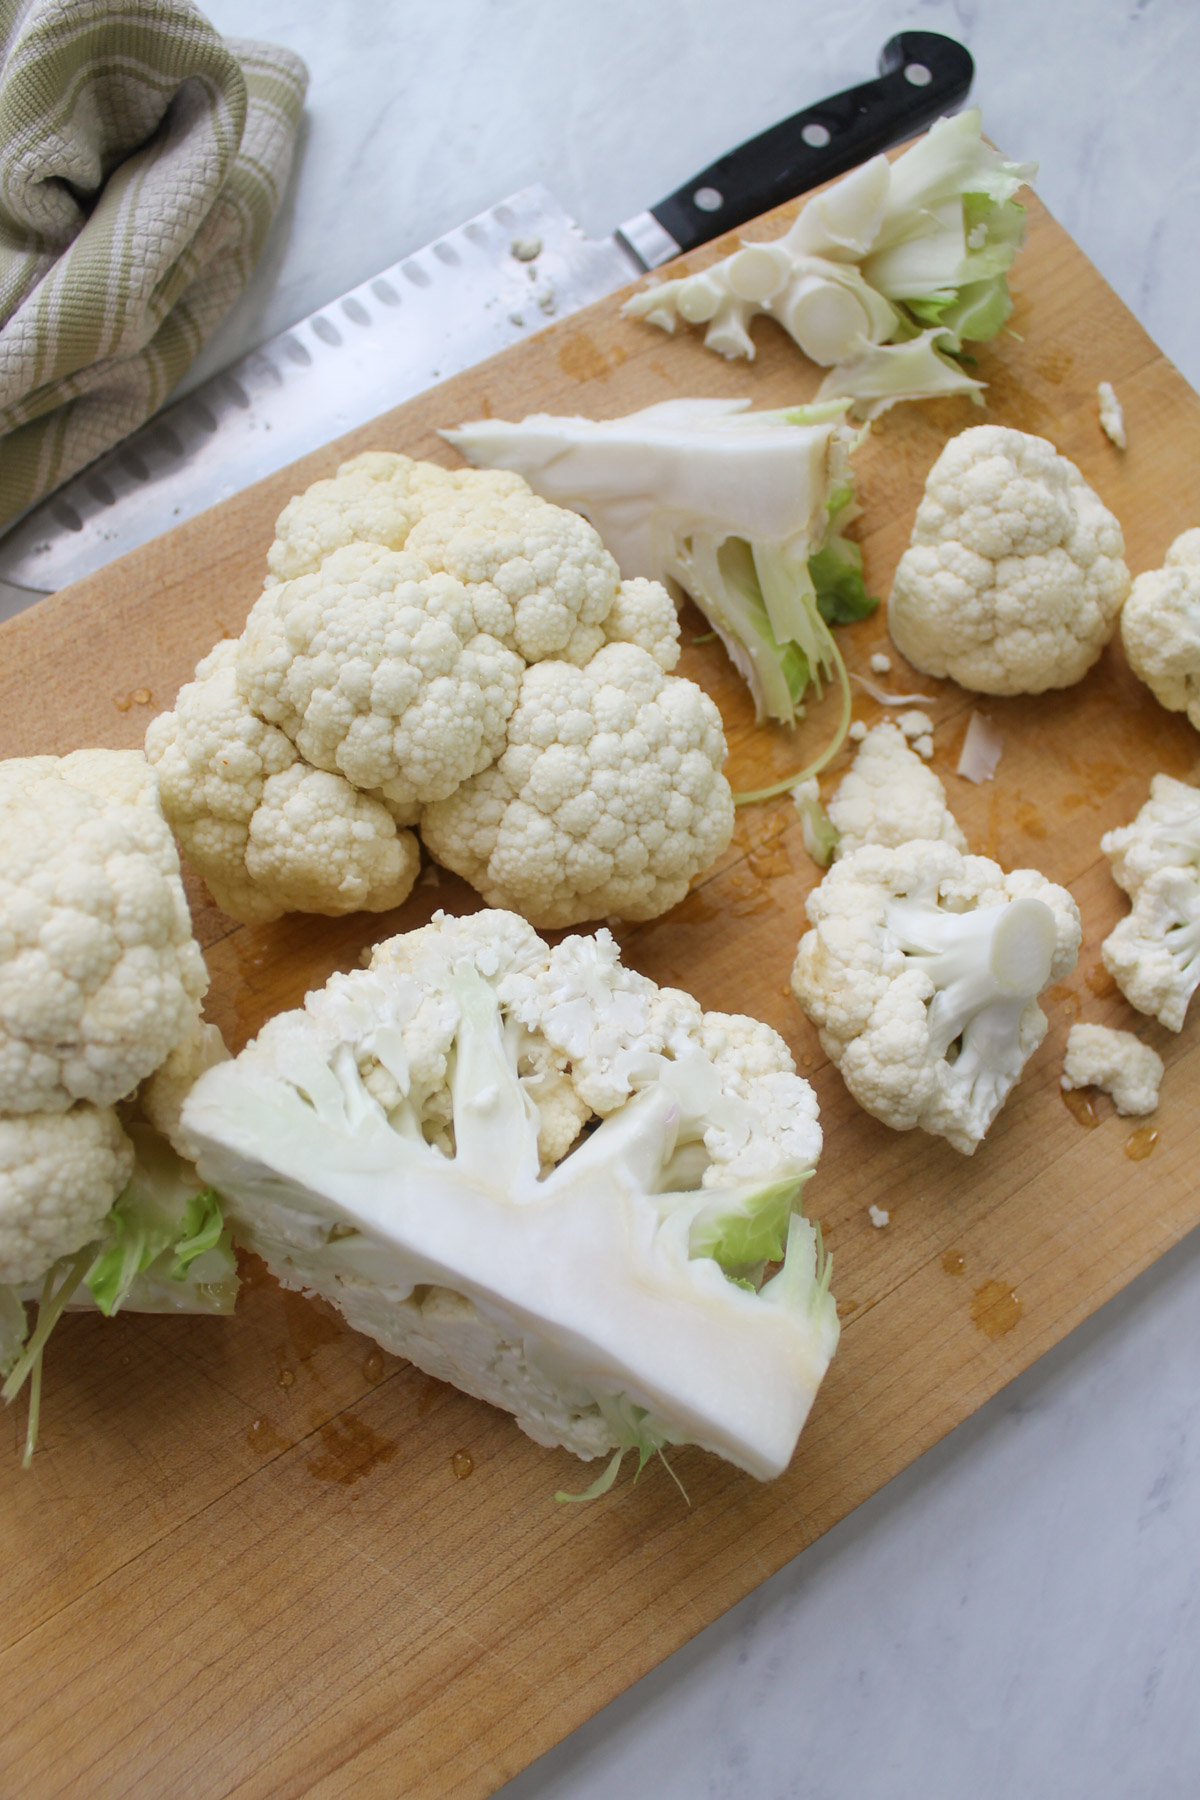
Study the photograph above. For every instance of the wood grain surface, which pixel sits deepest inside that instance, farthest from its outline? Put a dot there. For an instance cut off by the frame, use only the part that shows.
(249, 1558)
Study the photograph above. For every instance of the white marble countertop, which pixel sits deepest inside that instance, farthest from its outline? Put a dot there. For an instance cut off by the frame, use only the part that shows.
(1018, 1613)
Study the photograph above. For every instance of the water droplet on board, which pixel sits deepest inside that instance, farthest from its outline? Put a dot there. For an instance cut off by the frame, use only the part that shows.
(286, 1378)
(1140, 1143)
(373, 1366)
(263, 1437)
(953, 1261)
(996, 1309)
(351, 1450)
(463, 1464)
(1080, 1107)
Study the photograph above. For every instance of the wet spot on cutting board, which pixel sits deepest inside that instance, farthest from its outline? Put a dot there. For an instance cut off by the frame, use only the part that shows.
(996, 1309)
(583, 360)
(350, 1450)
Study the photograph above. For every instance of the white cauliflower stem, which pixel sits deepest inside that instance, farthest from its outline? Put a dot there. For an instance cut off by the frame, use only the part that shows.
(922, 972)
(1014, 577)
(1153, 953)
(601, 1279)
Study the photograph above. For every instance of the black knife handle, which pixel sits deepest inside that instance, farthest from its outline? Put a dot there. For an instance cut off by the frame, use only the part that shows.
(921, 76)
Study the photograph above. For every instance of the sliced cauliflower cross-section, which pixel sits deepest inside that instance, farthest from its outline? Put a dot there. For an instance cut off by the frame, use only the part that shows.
(608, 799)
(386, 1148)
(1153, 953)
(1014, 577)
(922, 973)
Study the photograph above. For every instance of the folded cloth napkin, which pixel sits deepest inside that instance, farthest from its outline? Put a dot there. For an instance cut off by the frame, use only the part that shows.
(142, 157)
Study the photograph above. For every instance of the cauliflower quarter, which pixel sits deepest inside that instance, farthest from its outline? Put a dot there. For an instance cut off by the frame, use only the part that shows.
(608, 799)
(596, 1269)
(1014, 577)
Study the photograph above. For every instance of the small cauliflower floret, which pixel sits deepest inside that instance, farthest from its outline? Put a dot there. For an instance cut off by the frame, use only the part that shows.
(1153, 953)
(99, 973)
(608, 799)
(161, 1096)
(922, 972)
(1116, 1061)
(386, 1148)
(1014, 576)
(889, 797)
(267, 832)
(374, 669)
(1160, 628)
(644, 614)
(59, 1175)
(537, 576)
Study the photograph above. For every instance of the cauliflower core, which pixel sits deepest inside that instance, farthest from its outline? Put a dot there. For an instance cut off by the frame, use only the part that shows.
(1153, 953)
(1014, 577)
(922, 972)
(543, 1178)
(444, 650)
(1160, 628)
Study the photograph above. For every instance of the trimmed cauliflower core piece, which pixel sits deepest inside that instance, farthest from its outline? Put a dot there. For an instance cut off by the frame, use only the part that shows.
(1116, 1061)
(387, 1148)
(100, 976)
(608, 799)
(1153, 953)
(922, 972)
(1014, 576)
(1160, 628)
(268, 833)
(889, 797)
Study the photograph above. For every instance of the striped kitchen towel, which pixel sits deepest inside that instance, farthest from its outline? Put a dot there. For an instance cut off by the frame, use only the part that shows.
(142, 158)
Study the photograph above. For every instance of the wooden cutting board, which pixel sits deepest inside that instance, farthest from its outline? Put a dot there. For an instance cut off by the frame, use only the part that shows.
(258, 1557)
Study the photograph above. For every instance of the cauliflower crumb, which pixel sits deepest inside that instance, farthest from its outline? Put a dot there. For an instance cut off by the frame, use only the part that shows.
(879, 1218)
(1115, 1061)
(881, 663)
(924, 745)
(915, 724)
(1112, 415)
(857, 731)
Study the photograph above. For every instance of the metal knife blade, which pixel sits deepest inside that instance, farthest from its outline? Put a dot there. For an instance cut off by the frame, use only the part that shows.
(481, 288)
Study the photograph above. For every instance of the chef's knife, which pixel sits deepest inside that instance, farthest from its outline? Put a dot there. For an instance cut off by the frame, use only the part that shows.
(496, 279)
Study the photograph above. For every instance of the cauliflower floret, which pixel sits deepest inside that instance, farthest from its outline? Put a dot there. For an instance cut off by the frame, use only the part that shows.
(161, 1096)
(1014, 577)
(657, 1326)
(889, 797)
(374, 670)
(375, 498)
(608, 799)
(1160, 628)
(922, 972)
(644, 614)
(266, 831)
(1116, 1061)
(59, 1175)
(1153, 953)
(99, 973)
(538, 576)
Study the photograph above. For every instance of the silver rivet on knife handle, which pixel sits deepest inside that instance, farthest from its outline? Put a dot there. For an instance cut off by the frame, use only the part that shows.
(649, 241)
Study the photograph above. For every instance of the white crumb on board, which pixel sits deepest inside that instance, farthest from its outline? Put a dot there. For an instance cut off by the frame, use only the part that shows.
(1112, 415)
(879, 1218)
(881, 663)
